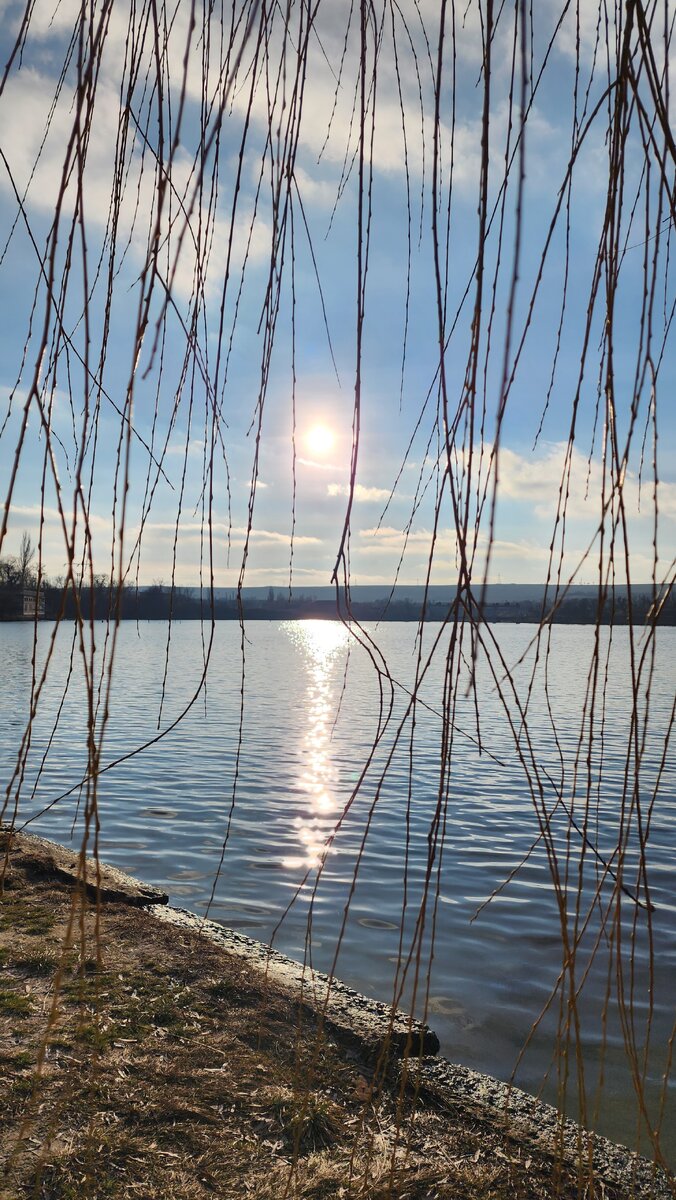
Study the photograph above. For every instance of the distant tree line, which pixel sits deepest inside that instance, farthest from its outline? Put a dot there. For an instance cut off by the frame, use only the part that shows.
(104, 600)
(587, 610)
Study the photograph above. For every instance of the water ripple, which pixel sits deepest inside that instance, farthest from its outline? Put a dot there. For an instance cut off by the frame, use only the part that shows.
(310, 717)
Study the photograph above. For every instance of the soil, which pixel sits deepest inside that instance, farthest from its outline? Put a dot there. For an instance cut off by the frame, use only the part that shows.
(140, 1059)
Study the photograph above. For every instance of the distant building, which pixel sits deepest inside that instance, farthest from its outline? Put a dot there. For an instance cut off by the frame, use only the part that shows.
(33, 604)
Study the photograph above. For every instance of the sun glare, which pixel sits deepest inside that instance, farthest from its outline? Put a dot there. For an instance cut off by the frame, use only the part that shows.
(320, 440)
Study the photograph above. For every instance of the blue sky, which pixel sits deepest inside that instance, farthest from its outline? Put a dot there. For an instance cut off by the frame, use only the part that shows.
(529, 478)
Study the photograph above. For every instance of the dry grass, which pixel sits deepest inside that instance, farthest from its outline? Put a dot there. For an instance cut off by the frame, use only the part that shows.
(167, 1072)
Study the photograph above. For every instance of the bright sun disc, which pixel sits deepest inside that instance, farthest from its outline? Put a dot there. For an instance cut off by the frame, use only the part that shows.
(320, 440)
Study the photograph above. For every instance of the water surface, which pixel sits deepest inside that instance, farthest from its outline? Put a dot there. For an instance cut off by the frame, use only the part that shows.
(310, 789)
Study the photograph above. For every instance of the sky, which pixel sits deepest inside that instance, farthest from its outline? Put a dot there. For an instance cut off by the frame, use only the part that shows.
(203, 414)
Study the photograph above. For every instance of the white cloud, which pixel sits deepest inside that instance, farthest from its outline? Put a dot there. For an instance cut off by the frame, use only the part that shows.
(320, 466)
(535, 480)
(386, 539)
(236, 533)
(36, 160)
(327, 105)
(321, 193)
(592, 24)
(177, 449)
(362, 494)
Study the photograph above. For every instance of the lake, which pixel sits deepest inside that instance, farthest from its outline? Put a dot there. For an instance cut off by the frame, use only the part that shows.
(310, 715)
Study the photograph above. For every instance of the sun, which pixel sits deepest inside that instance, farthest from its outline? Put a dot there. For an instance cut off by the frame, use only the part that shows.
(320, 440)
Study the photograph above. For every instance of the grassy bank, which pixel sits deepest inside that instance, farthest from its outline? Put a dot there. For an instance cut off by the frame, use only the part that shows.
(142, 1060)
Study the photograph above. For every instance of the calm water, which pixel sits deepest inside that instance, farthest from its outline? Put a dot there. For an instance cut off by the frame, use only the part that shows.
(311, 714)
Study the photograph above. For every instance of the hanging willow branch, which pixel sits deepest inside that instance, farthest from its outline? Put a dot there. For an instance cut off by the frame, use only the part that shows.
(162, 217)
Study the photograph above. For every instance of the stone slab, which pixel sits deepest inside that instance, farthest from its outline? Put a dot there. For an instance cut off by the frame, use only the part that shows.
(533, 1122)
(372, 1027)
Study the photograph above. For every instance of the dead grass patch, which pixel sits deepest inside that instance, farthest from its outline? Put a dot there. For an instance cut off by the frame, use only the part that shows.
(167, 1073)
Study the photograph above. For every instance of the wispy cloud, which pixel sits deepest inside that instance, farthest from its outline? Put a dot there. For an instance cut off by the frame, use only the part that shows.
(388, 540)
(237, 533)
(320, 466)
(36, 161)
(535, 479)
(362, 494)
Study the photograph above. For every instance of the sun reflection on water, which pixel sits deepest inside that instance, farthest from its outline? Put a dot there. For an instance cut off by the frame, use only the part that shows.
(322, 644)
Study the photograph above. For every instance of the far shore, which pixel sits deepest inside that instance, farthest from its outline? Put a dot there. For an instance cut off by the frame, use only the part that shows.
(501, 604)
(363, 614)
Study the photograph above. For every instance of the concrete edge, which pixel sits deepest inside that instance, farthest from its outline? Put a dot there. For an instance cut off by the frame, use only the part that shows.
(534, 1122)
(375, 1028)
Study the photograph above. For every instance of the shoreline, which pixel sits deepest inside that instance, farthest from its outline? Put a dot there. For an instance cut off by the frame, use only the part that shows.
(368, 1023)
(393, 1055)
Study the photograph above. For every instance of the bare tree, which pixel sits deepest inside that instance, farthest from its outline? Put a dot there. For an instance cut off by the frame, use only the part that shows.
(25, 558)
